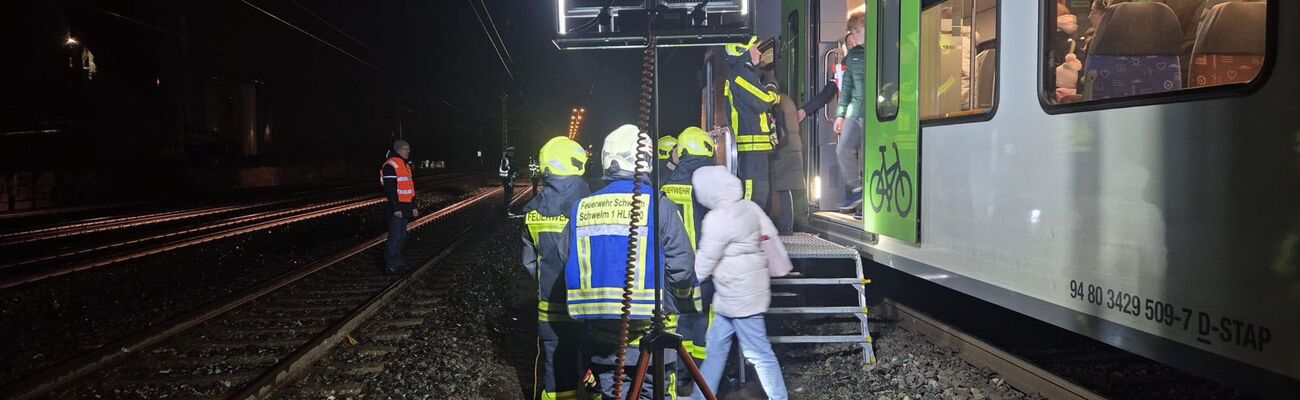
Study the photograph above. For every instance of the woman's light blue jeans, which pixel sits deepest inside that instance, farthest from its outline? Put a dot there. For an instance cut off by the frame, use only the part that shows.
(752, 332)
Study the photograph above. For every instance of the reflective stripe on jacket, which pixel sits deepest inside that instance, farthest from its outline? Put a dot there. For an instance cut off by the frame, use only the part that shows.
(748, 105)
(402, 174)
(550, 302)
(546, 243)
(598, 250)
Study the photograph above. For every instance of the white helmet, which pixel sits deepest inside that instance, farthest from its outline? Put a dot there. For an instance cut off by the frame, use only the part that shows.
(620, 149)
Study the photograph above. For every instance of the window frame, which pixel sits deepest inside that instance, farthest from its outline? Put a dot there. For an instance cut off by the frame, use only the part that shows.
(880, 55)
(1176, 96)
(997, 84)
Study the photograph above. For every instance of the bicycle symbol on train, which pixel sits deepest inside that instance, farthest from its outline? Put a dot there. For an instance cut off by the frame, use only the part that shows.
(892, 186)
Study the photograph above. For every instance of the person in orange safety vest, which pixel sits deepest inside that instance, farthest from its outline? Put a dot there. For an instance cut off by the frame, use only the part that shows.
(399, 187)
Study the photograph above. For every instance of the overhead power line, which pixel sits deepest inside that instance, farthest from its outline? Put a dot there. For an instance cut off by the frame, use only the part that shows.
(494, 30)
(335, 28)
(491, 40)
(318, 38)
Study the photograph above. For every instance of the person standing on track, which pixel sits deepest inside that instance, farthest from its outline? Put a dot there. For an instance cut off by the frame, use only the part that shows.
(596, 267)
(748, 105)
(731, 253)
(694, 149)
(399, 188)
(506, 171)
(563, 162)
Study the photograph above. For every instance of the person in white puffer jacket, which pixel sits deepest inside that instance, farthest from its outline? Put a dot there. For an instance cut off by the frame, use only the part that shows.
(730, 252)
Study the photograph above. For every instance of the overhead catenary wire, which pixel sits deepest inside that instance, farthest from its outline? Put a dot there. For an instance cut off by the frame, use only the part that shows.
(332, 26)
(504, 49)
(490, 40)
(309, 34)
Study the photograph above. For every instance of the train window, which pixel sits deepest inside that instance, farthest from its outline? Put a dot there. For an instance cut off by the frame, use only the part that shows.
(958, 58)
(1115, 49)
(887, 59)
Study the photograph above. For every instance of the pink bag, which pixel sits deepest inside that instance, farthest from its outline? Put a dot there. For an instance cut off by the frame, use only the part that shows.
(778, 261)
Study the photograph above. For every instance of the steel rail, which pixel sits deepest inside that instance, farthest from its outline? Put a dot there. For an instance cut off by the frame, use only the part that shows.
(20, 278)
(105, 224)
(1019, 373)
(303, 358)
(49, 379)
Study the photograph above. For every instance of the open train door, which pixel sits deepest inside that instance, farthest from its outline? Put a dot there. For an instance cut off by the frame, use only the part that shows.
(891, 205)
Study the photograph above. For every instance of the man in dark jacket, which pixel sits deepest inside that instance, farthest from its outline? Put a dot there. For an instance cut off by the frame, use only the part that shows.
(748, 105)
(545, 251)
(787, 167)
(399, 188)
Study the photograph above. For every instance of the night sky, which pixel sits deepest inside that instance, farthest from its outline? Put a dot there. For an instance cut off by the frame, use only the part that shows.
(428, 65)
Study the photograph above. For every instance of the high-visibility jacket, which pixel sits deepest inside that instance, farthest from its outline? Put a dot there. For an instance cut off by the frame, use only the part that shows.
(396, 170)
(748, 103)
(678, 190)
(691, 326)
(598, 244)
(546, 245)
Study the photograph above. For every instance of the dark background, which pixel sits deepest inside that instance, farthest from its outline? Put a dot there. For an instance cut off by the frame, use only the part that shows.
(333, 84)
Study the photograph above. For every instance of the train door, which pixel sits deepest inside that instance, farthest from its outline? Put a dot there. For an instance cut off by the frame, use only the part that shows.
(891, 153)
(814, 66)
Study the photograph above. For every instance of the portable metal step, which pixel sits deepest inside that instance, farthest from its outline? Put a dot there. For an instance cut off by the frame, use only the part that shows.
(807, 246)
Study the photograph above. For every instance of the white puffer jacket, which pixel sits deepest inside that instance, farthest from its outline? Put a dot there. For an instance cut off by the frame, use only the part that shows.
(729, 249)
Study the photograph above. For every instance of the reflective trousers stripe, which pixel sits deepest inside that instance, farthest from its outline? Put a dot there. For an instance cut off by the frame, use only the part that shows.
(564, 395)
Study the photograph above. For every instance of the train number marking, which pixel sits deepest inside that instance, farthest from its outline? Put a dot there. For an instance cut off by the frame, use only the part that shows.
(1206, 328)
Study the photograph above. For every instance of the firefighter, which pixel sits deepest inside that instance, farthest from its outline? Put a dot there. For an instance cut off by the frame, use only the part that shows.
(749, 102)
(598, 236)
(563, 162)
(694, 150)
(399, 188)
(665, 154)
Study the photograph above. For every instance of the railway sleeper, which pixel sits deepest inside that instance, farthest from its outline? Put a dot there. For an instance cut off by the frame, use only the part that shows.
(223, 380)
(367, 350)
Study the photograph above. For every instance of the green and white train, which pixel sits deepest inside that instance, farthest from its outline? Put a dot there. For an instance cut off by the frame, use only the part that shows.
(1153, 206)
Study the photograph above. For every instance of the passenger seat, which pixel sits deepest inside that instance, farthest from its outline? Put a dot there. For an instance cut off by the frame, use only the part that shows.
(986, 75)
(1230, 46)
(1189, 17)
(1134, 52)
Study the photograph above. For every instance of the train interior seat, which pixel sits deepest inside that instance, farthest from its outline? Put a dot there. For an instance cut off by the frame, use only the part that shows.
(1134, 52)
(1230, 45)
(986, 77)
(1189, 17)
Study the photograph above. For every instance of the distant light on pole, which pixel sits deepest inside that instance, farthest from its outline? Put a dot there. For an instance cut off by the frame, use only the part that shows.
(71, 41)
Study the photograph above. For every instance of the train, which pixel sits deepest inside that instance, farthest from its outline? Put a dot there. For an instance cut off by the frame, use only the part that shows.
(1147, 195)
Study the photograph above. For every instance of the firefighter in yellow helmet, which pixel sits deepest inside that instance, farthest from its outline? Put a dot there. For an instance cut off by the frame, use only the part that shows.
(694, 150)
(748, 101)
(664, 151)
(562, 162)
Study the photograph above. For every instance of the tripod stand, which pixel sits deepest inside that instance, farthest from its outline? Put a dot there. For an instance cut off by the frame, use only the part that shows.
(653, 345)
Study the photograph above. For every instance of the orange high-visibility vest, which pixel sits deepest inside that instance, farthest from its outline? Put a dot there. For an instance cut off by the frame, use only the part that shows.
(405, 185)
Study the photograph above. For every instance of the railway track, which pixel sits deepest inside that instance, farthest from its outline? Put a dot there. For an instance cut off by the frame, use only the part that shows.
(1018, 372)
(59, 250)
(246, 343)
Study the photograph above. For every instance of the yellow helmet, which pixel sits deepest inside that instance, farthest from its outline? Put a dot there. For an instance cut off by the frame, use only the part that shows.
(562, 156)
(694, 142)
(739, 49)
(666, 145)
